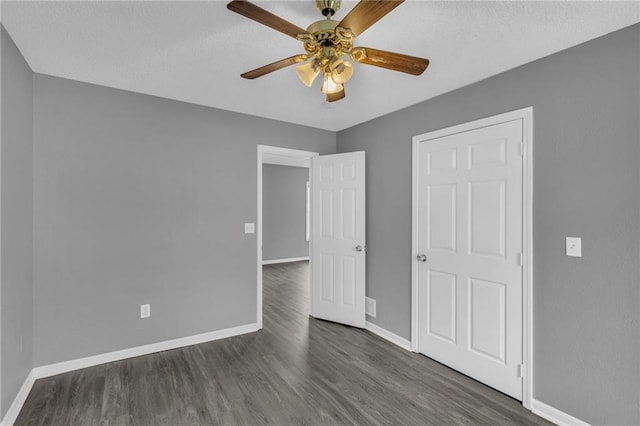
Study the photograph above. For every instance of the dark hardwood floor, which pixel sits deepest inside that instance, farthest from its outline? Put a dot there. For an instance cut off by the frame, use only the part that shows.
(295, 371)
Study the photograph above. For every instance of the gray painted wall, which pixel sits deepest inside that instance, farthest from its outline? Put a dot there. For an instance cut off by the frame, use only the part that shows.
(284, 212)
(586, 311)
(16, 285)
(142, 200)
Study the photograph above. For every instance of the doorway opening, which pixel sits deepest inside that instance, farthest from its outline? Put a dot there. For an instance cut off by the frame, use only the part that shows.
(285, 215)
(271, 155)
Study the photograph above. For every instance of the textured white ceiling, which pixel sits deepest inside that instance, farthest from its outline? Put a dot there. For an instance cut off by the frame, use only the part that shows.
(195, 51)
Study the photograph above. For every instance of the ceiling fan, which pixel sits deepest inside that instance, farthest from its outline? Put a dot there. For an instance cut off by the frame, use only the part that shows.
(329, 44)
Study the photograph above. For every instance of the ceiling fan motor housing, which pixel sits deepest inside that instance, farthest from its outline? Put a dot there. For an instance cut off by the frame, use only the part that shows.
(323, 25)
(326, 33)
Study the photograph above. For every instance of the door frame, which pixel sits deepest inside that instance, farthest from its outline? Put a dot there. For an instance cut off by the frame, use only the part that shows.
(526, 115)
(284, 157)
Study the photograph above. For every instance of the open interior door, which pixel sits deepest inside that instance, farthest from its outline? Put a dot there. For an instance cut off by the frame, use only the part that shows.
(338, 250)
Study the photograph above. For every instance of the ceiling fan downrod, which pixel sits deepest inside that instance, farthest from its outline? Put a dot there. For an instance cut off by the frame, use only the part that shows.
(328, 8)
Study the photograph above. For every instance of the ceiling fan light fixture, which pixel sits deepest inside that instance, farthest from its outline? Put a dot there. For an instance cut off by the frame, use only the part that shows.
(341, 70)
(308, 72)
(329, 86)
(328, 44)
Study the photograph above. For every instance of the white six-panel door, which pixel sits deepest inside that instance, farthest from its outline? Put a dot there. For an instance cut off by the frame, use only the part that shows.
(470, 237)
(338, 250)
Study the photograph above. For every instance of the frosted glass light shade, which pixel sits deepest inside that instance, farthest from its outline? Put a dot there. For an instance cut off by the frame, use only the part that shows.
(341, 70)
(329, 86)
(308, 72)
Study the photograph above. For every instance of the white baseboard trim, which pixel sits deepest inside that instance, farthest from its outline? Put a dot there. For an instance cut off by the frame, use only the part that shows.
(287, 260)
(18, 401)
(387, 335)
(554, 415)
(90, 361)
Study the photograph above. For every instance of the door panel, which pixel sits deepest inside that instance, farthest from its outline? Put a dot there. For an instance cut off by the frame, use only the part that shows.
(487, 318)
(441, 219)
(486, 214)
(338, 230)
(441, 294)
(470, 229)
(326, 278)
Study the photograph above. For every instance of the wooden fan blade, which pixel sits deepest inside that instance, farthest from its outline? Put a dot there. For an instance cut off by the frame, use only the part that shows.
(259, 72)
(392, 61)
(264, 17)
(332, 97)
(366, 13)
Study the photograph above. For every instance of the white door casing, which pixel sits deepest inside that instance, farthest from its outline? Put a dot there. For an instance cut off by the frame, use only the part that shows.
(338, 247)
(468, 294)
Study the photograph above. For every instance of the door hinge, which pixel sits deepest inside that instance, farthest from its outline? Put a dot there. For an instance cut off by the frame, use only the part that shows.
(519, 259)
(520, 371)
(520, 149)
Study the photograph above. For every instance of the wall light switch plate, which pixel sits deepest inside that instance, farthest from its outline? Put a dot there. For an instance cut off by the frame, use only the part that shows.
(574, 246)
(145, 311)
(249, 228)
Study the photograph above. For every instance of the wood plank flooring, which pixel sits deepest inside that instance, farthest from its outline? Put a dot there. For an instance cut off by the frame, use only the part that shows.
(296, 371)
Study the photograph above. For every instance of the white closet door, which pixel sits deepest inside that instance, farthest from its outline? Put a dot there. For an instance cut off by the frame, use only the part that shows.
(470, 244)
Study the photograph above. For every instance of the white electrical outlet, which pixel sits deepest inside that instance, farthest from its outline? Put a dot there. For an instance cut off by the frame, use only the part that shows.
(249, 228)
(145, 311)
(370, 307)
